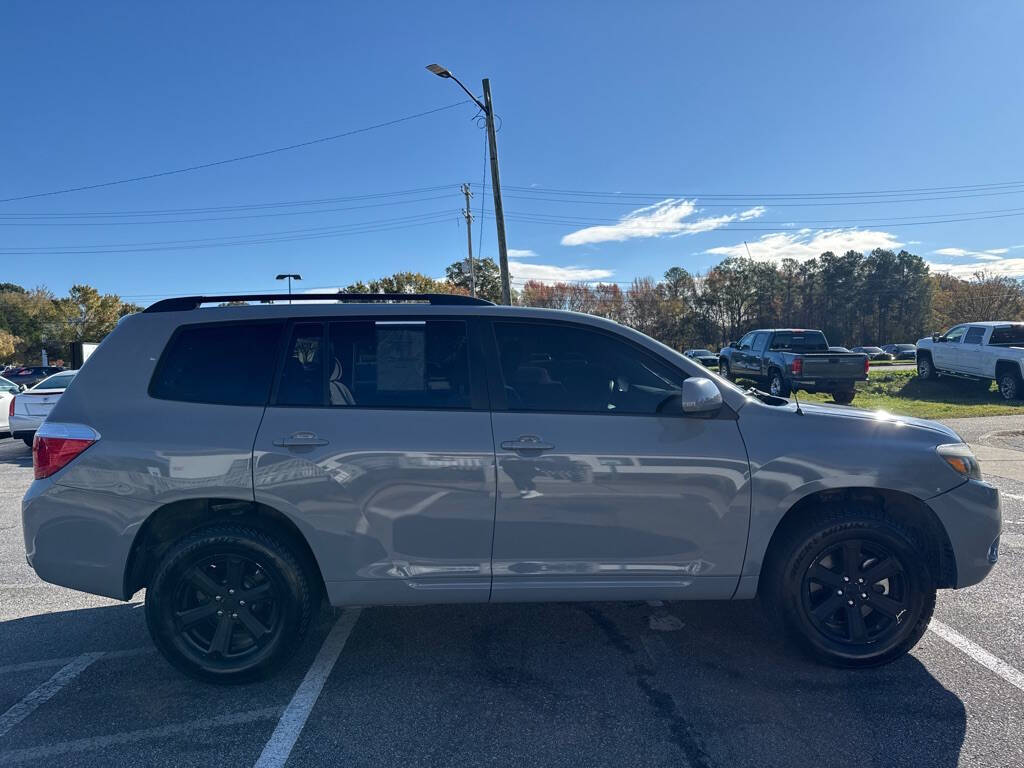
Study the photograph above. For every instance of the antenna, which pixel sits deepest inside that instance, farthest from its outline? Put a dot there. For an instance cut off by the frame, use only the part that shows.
(797, 401)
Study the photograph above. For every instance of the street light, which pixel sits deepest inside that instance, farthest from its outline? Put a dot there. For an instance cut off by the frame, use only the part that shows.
(290, 278)
(487, 107)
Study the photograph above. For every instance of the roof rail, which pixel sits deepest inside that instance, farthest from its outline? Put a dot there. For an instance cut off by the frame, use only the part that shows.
(185, 303)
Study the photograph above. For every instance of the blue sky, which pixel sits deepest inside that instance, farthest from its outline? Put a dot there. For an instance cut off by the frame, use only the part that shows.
(678, 127)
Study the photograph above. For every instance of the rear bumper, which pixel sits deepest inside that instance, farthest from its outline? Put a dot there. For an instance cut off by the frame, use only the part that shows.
(21, 423)
(971, 515)
(79, 539)
(825, 385)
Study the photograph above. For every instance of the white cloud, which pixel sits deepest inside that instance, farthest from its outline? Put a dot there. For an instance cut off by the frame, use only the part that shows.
(1001, 268)
(549, 273)
(520, 253)
(992, 254)
(808, 244)
(666, 218)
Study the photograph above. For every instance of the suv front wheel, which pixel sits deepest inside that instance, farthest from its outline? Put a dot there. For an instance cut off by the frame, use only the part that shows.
(228, 604)
(852, 587)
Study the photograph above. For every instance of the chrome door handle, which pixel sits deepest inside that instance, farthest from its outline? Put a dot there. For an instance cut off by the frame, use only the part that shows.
(300, 439)
(527, 443)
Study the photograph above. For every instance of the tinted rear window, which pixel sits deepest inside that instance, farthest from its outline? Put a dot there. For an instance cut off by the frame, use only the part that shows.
(800, 341)
(227, 363)
(1007, 334)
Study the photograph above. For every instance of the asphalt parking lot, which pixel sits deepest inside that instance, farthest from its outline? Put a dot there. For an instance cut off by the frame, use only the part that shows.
(698, 684)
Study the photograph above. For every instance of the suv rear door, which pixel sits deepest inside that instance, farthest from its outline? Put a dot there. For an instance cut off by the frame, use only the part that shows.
(605, 488)
(377, 442)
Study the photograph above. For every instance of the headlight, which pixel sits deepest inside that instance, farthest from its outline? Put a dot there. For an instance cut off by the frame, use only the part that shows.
(960, 458)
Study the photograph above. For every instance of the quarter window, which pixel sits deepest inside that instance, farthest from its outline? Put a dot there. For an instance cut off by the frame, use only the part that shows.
(567, 368)
(302, 375)
(226, 363)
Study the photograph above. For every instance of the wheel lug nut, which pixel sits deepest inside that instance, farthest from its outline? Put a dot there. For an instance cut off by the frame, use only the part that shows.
(241, 602)
(234, 615)
(849, 602)
(839, 591)
(846, 578)
(219, 597)
(863, 595)
(220, 613)
(860, 581)
(231, 591)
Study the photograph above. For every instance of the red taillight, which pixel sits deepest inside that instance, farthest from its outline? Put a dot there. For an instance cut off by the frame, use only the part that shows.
(867, 365)
(797, 366)
(10, 408)
(55, 445)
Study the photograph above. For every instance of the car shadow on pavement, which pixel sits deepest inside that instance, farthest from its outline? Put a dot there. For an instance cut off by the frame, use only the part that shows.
(15, 452)
(616, 684)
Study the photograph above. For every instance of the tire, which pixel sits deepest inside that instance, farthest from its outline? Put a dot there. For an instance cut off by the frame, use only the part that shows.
(1009, 385)
(845, 397)
(925, 368)
(811, 584)
(777, 385)
(723, 370)
(229, 639)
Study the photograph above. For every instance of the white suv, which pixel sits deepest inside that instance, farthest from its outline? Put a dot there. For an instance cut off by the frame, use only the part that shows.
(982, 352)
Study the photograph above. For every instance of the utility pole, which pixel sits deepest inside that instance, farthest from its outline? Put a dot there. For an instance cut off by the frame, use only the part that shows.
(468, 213)
(499, 213)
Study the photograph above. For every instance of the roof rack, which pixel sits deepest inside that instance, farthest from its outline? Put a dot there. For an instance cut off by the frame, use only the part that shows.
(185, 303)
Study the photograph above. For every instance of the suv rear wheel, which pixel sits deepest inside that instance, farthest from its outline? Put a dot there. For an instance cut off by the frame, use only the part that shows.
(852, 587)
(723, 370)
(228, 604)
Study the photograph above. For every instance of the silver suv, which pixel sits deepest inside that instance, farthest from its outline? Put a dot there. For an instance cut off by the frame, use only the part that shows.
(242, 462)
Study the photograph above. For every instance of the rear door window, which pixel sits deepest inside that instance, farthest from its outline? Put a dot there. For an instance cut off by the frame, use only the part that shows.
(222, 363)
(302, 373)
(974, 335)
(417, 364)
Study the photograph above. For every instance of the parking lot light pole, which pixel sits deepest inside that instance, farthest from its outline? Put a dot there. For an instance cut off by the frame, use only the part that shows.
(290, 278)
(487, 107)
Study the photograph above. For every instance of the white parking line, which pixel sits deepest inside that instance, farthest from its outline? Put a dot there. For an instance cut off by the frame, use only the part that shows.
(27, 666)
(1012, 675)
(127, 737)
(1015, 496)
(45, 692)
(293, 719)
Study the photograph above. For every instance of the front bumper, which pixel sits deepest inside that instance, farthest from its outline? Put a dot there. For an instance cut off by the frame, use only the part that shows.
(971, 515)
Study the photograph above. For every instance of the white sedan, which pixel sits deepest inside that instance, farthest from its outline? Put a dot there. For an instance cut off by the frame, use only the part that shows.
(30, 408)
(8, 389)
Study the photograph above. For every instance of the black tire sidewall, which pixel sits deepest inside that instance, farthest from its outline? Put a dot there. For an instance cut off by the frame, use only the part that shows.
(929, 372)
(724, 371)
(280, 565)
(920, 584)
(1012, 383)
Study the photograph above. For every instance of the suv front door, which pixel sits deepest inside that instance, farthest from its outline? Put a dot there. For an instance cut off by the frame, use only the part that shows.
(605, 488)
(377, 443)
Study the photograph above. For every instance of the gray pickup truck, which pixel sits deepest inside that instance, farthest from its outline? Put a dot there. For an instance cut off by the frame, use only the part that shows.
(788, 359)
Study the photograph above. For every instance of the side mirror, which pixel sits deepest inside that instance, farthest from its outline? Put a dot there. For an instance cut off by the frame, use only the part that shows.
(14, 390)
(700, 395)
(22, 387)
(734, 344)
(936, 338)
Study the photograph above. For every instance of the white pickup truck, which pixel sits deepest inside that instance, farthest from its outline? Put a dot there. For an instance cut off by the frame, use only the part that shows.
(981, 352)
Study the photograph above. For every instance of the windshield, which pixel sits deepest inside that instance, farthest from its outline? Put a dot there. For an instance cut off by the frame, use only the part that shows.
(702, 352)
(905, 347)
(871, 349)
(800, 341)
(57, 381)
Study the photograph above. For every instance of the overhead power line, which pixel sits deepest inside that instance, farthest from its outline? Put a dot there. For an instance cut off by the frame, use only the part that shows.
(237, 158)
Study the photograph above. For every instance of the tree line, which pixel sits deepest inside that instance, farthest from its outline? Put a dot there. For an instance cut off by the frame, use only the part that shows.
(875, 298)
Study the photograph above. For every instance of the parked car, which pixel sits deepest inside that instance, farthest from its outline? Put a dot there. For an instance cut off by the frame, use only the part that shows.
(901, 351)
(705, 357)
(873, 353)
(30, 408)
(8, 389)
(29, 376)
(790, 359)
(980, 352)
(457, 451)
(838, 349)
